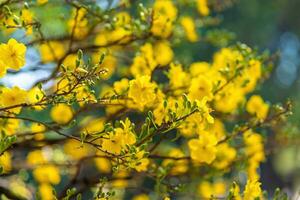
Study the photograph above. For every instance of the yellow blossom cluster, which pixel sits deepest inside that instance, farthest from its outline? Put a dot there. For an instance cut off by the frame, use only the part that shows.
(45, 173)
(255, 151)
(164, 14)
(12, 56)
(129, 104)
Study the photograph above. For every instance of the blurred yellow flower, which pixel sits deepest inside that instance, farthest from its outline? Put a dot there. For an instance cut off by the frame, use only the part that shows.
(141, 197)
(142, 91)
(13, 97)
(144, 63)
(119, 138)
(203, 149)
(208, 190)
(42, 1)
(5, 162)
(39, 130)
(252, 190)
(46, 191)
(61, 113)
(47, 174)
(163, 53)
(51, 51)
(36, 157)
(189, 28)
(76, 150)
(78, 24)
(177, 166)
(201, 87)
(257, 107)
(164, 13)
(12, 55)
(202, 7)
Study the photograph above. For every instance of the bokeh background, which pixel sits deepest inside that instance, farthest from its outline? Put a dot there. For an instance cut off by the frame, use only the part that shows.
(268, 25)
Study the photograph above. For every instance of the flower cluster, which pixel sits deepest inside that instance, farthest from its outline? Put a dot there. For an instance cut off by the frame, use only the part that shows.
(123, 110)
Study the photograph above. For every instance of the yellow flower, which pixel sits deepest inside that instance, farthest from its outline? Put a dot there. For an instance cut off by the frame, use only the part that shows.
(201, 87)
(207, 189)
(94, 126)
(198, 68)
(140, 163)
(2, 69)
(252, 169)
(202, 7)
(165, 7)
(225, 156)
(121, 87)
(258, 107)
(47, 174)
(141, 197)
(235, 191)
(252, 190)
(46, 191)
(78, 23)
(36, 157)
(250, 76)
(178, 78)
(189, 28)
(120, 181)
(27, 17)
(254, 149)
(76, 150)
(161, 26)
(203, 149)
(39, 130)
(102, 164)
(102, 38)
(205, 110)
(119, 35)
(253, 142)
(9, 126)
(70, 61)
(119, 138)
(227, 58)
(35, 95)
(5, 162)
(218, 129)
(12, 54)
(40, 2)
(142, 91)
(229, 99)
(177, 166)
(13, 97)
(164, 13)
(144, 63)
(192, 124)
(61, 113)
(84, 95)
(161, 113)
(163, 53)
(51, 51)
(197, 121)
(122, 19)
